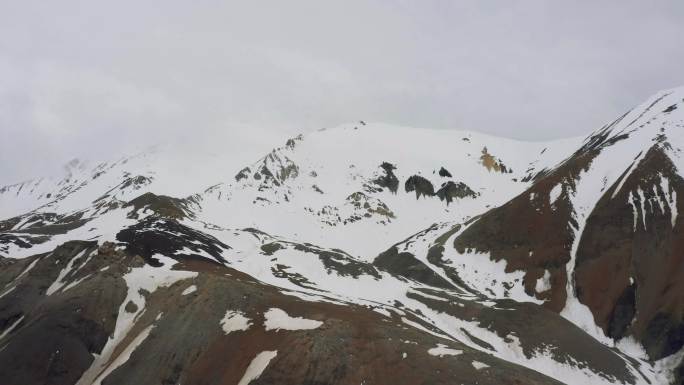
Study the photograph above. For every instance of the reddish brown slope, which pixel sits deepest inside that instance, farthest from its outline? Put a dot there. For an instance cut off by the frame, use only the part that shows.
(630, 261)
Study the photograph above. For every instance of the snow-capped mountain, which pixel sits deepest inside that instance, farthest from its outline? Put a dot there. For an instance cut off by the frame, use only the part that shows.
(366, 253)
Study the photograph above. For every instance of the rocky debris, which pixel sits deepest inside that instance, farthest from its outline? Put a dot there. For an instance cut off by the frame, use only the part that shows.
(243, 174)
(372, 206)
(135, 183)
(292, 142)
(270, 171)
(317, 189)
(357, 206)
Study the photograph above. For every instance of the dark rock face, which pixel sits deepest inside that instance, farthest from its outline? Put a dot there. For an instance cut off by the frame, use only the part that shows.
(161, 205)
(243, 174)
(450, 191)
(362, 201)
(420, 185)
(53, 338)
(634, 236)
(444, 173)
(405, 264)
(388, 180)
(170, 238)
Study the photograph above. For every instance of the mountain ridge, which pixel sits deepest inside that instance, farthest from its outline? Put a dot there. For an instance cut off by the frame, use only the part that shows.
(490, 253)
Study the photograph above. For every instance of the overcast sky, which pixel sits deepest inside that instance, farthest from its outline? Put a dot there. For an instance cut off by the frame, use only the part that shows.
(97, 79)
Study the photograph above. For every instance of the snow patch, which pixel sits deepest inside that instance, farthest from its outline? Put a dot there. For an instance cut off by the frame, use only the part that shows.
(234, 321)
(276, 319)
(670, 198)
(442, 350)
(555, 193)
(189, 290)
(257, 366)
(543, 283)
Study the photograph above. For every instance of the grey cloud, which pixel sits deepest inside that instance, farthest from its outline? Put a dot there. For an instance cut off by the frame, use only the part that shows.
(95, 79)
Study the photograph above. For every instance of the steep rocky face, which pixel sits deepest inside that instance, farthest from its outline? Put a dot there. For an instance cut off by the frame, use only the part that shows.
(591, 233)
(55, 318)
(634, 236)
(450, 191)
(533, 232)
(420, 185)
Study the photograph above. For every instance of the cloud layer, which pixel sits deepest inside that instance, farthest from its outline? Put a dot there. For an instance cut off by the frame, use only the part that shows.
(95, 79)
